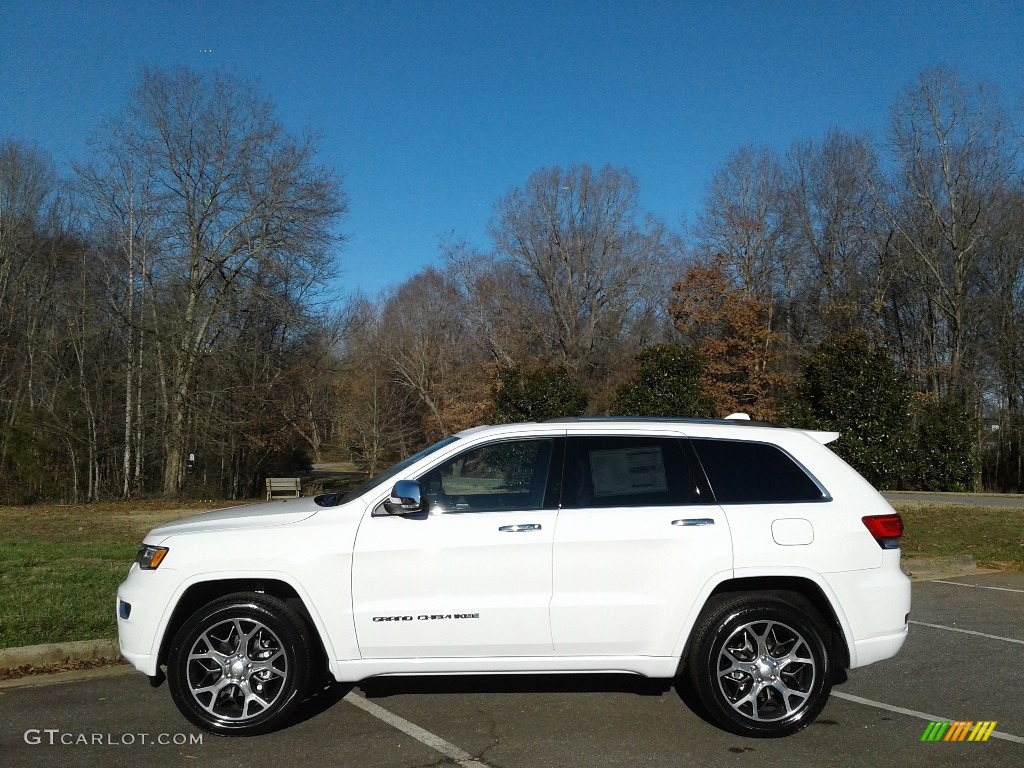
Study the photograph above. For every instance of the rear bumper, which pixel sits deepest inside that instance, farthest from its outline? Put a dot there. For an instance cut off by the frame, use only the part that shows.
(877, 606)
(877, 648)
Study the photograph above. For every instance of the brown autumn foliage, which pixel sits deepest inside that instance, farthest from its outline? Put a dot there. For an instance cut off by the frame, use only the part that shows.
(732, 330)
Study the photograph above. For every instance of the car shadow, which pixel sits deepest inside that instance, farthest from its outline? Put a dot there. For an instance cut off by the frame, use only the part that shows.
(688, 695)
(328, 693)
(322, 697)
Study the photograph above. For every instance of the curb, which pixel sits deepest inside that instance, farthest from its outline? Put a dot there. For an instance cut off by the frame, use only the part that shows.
(929, 567)
(57, 678)
(58, 653)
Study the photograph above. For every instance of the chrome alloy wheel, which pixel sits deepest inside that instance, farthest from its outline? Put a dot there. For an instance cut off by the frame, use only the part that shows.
(766, 671)
(237, 669)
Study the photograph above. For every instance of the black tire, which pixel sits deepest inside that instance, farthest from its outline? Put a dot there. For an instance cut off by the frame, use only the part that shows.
(240, 665)
(761, 666)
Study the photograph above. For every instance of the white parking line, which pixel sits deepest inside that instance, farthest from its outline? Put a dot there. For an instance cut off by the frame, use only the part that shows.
(967, 632)
(976, 586)
(460, 756)
(915, 713)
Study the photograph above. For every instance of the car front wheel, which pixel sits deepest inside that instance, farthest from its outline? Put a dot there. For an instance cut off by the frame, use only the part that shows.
(239, 666)
(761, 666)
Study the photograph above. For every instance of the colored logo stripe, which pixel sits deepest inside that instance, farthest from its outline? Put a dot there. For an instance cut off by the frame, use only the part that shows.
(982, 731)
(958, 730)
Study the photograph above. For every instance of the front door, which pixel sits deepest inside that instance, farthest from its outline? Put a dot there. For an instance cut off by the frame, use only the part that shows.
(471, 576)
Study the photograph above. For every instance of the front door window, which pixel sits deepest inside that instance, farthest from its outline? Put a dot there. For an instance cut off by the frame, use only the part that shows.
(499, 477)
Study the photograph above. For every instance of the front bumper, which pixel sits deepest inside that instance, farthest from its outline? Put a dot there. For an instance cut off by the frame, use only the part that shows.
(139, 629)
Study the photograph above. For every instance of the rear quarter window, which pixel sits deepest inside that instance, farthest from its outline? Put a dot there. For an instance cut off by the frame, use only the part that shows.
(755, 473)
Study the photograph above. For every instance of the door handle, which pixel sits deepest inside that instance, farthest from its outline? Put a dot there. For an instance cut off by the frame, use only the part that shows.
(519, 528)
(688, 521)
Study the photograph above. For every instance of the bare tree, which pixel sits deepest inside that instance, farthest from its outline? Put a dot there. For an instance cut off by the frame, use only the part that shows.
(27, 185)
(1003, 348)
(838, 242)
(41, 287)
(236, 204)
(378, 417)
(745, 222)
(577, 237)
(118, 200)
(425, 339)
(501, 309)
(950, 144)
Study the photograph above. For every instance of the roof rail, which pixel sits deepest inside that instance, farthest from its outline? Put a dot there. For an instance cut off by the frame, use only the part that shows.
(737, 419)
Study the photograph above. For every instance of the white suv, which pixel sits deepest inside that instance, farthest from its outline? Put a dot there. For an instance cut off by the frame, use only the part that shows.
(748, 557)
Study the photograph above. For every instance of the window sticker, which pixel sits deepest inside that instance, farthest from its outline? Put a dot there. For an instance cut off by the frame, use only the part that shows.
(623, 471)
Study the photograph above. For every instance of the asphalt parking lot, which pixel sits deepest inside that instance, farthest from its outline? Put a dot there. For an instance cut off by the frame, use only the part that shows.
(961, 662)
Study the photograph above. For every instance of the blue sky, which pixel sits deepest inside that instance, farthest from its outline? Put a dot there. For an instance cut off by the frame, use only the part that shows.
(433, 110)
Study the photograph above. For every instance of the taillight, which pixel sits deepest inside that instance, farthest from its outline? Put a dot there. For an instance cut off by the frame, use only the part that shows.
(886, 529)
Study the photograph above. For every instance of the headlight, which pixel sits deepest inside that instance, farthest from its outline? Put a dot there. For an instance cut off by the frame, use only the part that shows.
(149, 557)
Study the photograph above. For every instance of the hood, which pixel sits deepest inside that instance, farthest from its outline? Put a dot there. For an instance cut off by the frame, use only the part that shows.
(262, 515)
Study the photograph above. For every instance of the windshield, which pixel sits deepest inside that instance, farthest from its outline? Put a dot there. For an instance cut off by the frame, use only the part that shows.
(332, 499)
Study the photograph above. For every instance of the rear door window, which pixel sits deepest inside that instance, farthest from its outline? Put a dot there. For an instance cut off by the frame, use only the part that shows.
(614, 471)
(755, 473)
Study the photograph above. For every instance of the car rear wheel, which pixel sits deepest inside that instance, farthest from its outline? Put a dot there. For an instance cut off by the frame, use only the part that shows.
(240, 665)
(761, 666)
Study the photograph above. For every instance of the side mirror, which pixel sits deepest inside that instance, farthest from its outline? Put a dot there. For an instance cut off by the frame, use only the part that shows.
(406, 497)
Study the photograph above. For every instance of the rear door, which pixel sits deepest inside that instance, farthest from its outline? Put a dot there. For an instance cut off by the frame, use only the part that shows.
(637, 539)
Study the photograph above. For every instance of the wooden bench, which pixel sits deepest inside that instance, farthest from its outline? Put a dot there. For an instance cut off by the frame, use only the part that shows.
(283, 488)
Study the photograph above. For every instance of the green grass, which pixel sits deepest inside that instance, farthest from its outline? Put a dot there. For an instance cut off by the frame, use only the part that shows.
(60, 566)
(993, 535)
(49, 594)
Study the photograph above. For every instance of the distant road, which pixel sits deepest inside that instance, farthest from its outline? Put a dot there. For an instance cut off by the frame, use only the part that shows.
(340, 467)
(971, 499)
